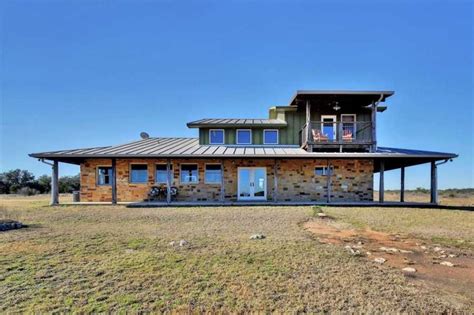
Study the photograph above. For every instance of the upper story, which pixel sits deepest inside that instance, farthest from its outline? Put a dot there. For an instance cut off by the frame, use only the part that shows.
(325, 121)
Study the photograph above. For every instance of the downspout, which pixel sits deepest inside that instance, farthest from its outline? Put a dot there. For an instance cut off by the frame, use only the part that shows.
(374, 122)
(434, 180)
(54, 181)
(42, 160)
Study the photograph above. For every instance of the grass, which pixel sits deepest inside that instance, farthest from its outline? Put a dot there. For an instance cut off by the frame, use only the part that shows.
(111, 258)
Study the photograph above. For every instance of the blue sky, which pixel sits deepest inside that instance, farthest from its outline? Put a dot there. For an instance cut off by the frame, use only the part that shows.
(91, 73)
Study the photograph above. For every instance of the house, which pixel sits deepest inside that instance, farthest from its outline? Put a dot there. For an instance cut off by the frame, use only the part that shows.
(321, 147)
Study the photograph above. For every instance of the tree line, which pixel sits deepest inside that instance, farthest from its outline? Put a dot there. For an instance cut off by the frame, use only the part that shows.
(24, 182)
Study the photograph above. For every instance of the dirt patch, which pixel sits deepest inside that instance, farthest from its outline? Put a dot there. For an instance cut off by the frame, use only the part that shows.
(450, 270)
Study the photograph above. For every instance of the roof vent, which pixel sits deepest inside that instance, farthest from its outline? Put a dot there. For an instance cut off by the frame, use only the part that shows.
(144, 135)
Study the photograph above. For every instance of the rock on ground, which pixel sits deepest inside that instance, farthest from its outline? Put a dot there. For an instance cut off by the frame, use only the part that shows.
(380, 260)
(257, 237)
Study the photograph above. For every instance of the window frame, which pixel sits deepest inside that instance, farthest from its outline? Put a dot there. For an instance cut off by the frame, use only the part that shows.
(277, 134)
(181, 172)
(237, 136)
(98, 175)
(354, 124)
(324, 167)
(205, 170)
(130, 174)
(171, 172)
(223, 136)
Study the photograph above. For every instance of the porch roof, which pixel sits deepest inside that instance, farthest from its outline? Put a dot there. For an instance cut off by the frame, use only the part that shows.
(190, 148)
(343, 97)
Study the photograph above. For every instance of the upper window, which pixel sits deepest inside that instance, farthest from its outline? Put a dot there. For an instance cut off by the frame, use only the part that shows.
(216, 136)
(189, 173)
(104, 175)
(161, 175)
(138, 173)
(244, 136)
(270, 136)
(323, 170)
(213, 174)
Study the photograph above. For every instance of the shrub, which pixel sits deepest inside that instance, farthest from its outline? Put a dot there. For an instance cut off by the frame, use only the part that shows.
(27, 191)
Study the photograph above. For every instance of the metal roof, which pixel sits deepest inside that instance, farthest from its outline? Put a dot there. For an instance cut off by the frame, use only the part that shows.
(344, 96)
(236, 122)
(190, 148)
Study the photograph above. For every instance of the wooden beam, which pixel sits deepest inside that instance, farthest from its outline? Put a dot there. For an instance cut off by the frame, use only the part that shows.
(114, 181)
(168, 181)
(308, 123)
(328, 181)
(402, 184)
(275, 181)
(374, 125)
(222, 182)
(381, 181)
(434, 183)
(55, 184)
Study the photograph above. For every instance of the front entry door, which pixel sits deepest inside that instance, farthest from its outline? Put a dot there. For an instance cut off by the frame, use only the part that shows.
(328, 126)
(252, 183)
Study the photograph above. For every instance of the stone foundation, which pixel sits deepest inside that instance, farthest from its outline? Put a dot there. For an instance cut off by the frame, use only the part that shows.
(352, 180)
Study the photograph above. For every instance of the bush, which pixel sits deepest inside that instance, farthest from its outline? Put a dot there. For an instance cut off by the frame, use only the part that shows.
(27, 191)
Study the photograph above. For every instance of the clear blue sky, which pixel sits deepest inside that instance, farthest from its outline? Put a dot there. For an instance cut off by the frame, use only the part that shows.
(91, 73)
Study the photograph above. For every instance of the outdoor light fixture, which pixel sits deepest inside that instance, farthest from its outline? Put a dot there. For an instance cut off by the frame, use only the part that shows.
(336, 106)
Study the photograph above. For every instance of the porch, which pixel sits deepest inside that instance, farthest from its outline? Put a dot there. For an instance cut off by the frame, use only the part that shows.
(337, 135)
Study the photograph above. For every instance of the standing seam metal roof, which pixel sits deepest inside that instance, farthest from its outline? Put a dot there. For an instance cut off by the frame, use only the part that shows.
(190, 147)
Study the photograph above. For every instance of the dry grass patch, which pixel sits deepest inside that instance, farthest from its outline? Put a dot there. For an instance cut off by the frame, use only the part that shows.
(95, 259)
(447, 227)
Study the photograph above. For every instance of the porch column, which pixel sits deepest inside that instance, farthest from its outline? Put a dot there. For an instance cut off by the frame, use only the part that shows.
(381, 183)
(55, 184)
(168, 181)
(308, 124)
(114, 181)
(222, 182)
(374, 123)
(328, 181)
(275, 181)
(402, 184)
(434, 183)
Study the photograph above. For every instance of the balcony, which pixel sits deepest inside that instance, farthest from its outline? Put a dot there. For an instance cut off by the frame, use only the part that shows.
(337, 135)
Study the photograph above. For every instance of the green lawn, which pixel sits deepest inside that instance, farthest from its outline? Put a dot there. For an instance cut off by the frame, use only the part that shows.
(93, 259)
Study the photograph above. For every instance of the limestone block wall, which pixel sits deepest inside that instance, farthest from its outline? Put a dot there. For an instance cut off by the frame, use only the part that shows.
(352, 180)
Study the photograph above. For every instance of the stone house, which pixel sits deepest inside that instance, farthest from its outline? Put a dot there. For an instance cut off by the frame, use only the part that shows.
(320, 148)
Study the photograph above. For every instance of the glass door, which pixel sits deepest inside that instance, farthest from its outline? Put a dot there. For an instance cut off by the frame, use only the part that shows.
(328, 126)
(252, 183)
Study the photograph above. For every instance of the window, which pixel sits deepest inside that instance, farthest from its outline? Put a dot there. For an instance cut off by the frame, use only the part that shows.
(348, 125)
(104, 175)
(244, 136)
(323, 170)
(138, 173)
(189, 173)
(270, 136)
(213, 174)
(216, 136)
(161, 176)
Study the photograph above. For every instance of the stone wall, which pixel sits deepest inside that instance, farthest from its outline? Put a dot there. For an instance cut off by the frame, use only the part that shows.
(352, 180)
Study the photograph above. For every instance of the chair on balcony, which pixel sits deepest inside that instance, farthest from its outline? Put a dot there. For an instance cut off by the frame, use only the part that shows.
(347, 136)
(318, 136)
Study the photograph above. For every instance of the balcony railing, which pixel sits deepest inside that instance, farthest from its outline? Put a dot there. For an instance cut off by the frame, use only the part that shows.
(359, 132)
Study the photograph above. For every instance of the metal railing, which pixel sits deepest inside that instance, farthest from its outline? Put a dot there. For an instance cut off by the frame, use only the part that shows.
(359, 132)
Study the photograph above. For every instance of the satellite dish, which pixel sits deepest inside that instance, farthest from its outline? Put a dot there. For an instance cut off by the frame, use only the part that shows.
(144, 135)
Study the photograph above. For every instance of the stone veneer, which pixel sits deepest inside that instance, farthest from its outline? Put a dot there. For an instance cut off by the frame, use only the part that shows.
(352, 180)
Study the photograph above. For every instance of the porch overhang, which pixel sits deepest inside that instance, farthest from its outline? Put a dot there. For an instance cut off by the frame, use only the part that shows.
(344, 98)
